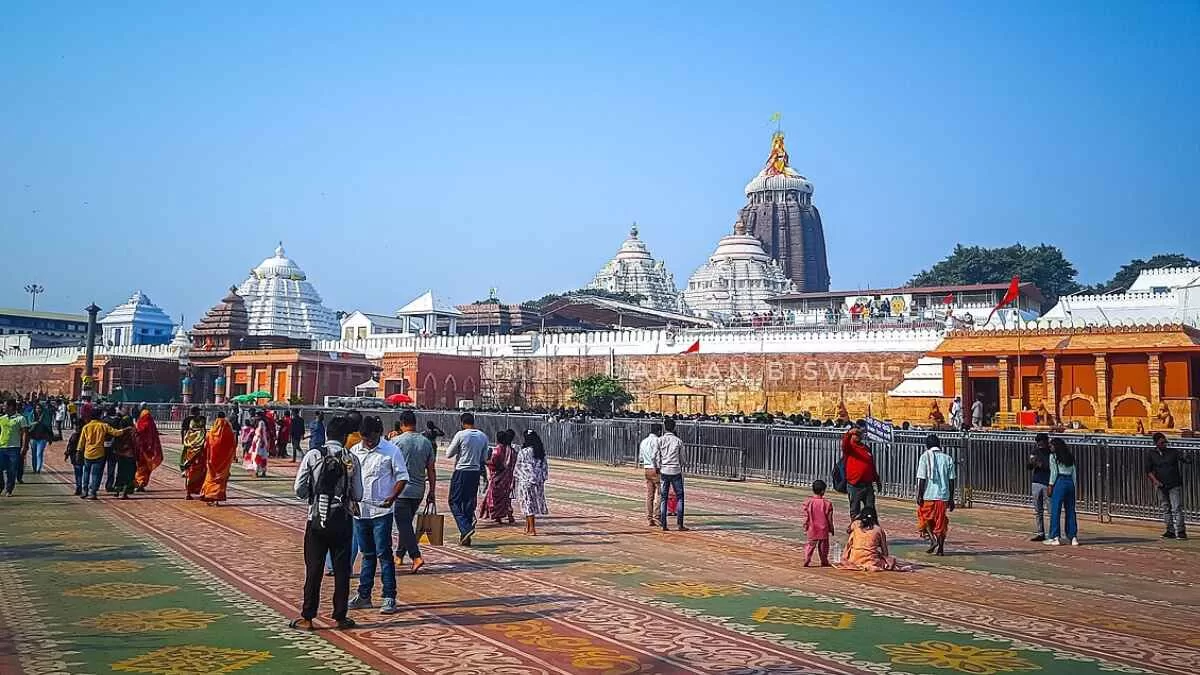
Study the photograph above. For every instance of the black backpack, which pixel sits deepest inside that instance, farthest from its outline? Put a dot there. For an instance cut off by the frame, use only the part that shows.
(331, 492)
(838, 476)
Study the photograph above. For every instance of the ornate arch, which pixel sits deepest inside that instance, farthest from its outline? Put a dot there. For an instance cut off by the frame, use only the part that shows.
(1077, 396)
(1136, 398)
(430, 382)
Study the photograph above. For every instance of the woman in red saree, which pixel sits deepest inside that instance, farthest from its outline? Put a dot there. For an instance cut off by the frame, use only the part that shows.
(497, 501)
(222, 449)
(192, 460)
(149, 449)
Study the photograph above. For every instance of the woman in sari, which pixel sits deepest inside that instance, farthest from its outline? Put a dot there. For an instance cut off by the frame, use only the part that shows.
(222, 448)
(193, 458)
(867, 548)
(497, 501)
(149, 449)
(260, 446)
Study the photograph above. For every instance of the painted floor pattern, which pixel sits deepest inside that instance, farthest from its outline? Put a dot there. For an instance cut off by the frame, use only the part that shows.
(156, 584)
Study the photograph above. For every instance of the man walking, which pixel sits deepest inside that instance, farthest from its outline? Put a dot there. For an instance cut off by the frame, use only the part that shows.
(419, 460)
(93, 441)
(14, 436)
(977, 412)
(862, 479)
(646, 452)
(1039, 465)
(383, 479)
(470, 446)
(935, 493)
(329, 479)
(1162, 468)
(668, 462)
(297, 433)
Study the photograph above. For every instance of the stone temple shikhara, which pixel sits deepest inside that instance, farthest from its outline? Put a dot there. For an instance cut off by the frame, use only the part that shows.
(779, 212)
(634, 271)
(738, 279)
(282, 304)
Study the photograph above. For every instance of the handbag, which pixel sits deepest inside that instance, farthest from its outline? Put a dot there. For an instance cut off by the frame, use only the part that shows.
(431, 524)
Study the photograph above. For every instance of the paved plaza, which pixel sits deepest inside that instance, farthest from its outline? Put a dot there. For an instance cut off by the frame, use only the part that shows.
(157, 584)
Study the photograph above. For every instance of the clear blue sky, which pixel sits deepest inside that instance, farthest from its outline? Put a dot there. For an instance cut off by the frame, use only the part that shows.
(166, 147)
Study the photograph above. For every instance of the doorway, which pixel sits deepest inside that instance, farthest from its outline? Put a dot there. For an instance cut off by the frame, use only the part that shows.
(989, 389)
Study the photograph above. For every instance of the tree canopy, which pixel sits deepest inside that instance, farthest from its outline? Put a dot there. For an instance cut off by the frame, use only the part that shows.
(600, 393)
(1124, 278)
(1043, 265)
(541, 302)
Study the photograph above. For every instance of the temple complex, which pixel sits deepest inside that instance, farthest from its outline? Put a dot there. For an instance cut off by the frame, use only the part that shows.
(779, 212)
(738, 280)
(635, 272)
(283, 307)
(137, 321)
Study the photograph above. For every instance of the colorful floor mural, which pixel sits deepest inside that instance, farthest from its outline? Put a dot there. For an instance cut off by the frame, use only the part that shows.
(156, 584)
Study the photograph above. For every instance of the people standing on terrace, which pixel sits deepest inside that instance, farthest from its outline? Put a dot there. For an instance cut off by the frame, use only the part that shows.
(862, 478)
(646, 453)
(1039, 466)
(669, 463)
(1062, 493)
(1162, 468)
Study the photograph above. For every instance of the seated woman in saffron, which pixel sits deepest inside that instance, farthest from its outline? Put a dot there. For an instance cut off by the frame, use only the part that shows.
(193, 458)
(936, 418)
(867, 548)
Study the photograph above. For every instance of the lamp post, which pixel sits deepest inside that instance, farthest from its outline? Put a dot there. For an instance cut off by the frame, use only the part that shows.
(34, 290)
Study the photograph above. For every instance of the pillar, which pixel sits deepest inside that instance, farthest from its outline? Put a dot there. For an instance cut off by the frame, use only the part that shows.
(960, 381)
(89, 353)
(1102, 389)
(1052, 386)
(1155, 369)
(1005, 404)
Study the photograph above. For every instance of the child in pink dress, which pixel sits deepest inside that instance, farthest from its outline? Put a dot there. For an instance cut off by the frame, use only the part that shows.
(818, 524)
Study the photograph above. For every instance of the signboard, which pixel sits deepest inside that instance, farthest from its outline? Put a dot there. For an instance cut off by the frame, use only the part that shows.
(879, 431)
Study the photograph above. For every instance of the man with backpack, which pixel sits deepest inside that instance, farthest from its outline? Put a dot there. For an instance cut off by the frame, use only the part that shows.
(862, 479)
(330, 480)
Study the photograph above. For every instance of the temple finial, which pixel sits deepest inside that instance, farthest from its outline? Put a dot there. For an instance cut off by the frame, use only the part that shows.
(279, 250)
(633, 231)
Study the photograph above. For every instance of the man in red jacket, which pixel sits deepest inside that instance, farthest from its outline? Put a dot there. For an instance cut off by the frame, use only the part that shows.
(862, 480)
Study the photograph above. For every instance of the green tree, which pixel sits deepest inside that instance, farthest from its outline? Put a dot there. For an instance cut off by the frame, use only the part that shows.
(600, 393)
(1043, 264)
(631, 298)
(1129, 272)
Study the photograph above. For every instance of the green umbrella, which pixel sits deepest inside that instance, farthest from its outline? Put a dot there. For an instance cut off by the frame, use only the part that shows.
(259, 394)
(243, 398)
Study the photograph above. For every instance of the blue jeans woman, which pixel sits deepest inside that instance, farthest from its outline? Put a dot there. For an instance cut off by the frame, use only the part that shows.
(1062, 498)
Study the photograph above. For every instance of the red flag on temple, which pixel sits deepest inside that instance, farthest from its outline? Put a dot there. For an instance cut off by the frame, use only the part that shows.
(949, 299)
(1013, 292)
(694, 349)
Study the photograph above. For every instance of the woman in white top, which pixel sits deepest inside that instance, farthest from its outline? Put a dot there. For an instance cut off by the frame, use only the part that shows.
(1062, 492)
(531, 480)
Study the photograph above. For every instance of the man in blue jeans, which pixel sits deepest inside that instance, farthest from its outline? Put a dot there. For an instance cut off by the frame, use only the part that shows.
(384, 475)
(14, 435)
(669, 462)
(469, 449)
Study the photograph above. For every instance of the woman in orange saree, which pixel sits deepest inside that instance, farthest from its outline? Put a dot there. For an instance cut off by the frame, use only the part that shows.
(192, 461)
(222, 448)
(150, 454)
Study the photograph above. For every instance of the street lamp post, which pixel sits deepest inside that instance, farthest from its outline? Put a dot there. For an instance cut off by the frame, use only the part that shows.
(34, 290)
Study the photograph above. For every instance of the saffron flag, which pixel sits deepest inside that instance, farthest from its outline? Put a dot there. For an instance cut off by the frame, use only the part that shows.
(1013, 292)
(694, 349)
(949, 299)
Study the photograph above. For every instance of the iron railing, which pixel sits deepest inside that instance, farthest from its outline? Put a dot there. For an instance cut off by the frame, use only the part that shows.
(1111, 479)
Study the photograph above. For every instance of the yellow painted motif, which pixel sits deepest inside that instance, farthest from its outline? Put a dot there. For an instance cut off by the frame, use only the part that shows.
(963, 658)
(530, 550)
(585, 654)
(119, 590)
(809, 618)
(191, 660)
(151, 620)
(85, 568)
(694, 589)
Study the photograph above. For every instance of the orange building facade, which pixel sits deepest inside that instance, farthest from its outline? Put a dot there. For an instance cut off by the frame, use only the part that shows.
(1104, 377)
(306, 374)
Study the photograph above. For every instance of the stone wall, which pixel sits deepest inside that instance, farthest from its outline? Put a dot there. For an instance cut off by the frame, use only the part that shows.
(54, 379)
(787, 383)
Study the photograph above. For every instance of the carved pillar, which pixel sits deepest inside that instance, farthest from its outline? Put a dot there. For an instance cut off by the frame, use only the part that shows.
(1102, 389)
(1155, 368)
(1052, 386)
(1002, 365)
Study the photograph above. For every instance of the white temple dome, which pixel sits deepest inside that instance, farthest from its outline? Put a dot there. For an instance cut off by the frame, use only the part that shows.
(738, 278)
(634, 271)
(282, 303)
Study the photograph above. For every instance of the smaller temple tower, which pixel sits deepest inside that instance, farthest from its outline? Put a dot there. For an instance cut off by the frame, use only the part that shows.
(737, 280)
(634, 271)
(136, 322)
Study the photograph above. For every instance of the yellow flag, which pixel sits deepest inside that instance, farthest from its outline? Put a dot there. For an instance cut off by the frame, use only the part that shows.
(775, 117)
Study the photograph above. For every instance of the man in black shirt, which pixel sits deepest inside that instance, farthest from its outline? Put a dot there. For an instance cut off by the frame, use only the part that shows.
(1162, 468)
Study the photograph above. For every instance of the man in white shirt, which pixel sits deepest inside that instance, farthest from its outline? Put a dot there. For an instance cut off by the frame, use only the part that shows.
(470, 447)
(935, 493)
(646, 452)
(384, 475)
(668, 460)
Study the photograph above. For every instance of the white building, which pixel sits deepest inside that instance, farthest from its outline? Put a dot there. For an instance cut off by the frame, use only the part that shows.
(634, 271)
(429, 315)
(360, 325)
(1165, 295)
(136, 322)
(283, 304)
(738, 279)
